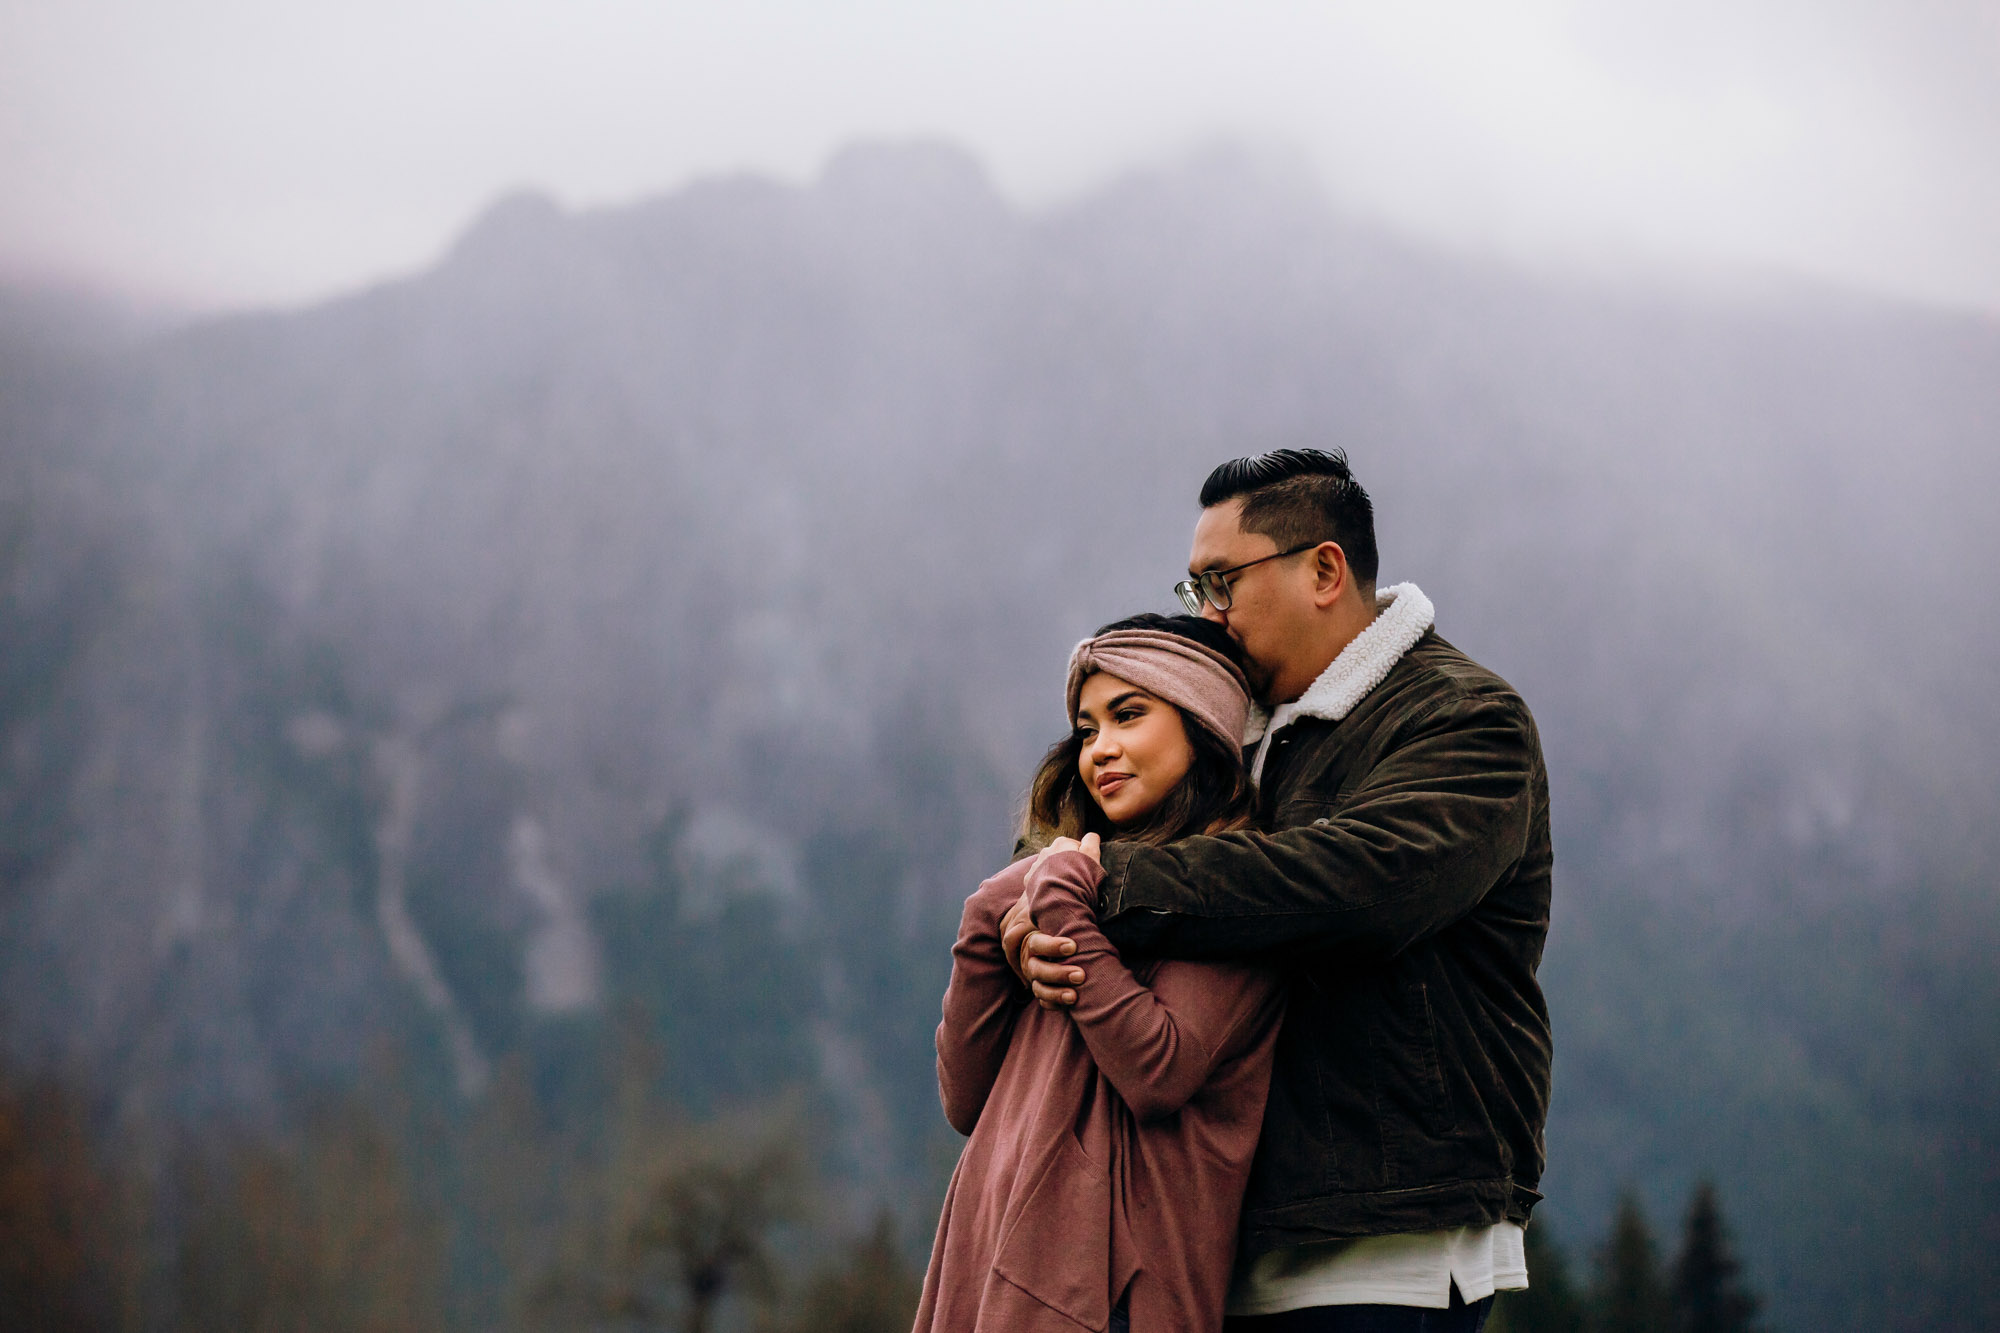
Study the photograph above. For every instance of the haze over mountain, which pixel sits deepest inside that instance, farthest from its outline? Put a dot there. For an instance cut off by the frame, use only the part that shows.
(360, 661)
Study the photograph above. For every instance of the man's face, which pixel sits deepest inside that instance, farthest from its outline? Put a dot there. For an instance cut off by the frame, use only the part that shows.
(1269, 605)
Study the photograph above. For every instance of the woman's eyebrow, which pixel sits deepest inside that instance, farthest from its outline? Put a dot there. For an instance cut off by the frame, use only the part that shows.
(1111, 706)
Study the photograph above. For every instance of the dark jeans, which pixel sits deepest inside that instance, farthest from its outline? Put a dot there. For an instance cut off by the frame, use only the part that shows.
(1460, 1318)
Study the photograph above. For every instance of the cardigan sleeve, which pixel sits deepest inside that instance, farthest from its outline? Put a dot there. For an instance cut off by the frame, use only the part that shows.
(1158, 1044)
(980, 1004)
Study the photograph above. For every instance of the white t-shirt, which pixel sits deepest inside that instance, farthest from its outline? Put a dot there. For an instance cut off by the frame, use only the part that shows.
(1417, 1268)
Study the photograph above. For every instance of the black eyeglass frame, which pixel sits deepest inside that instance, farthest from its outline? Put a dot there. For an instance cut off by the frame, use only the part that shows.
(1213, 584)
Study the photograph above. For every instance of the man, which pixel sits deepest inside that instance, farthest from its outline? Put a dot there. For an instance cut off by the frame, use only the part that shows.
(1404, 884)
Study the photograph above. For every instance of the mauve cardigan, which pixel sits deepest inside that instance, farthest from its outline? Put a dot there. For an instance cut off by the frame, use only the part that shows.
(1110, 1144)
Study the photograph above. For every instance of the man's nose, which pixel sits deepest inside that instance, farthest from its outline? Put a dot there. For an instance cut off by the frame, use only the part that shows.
(1211, 614)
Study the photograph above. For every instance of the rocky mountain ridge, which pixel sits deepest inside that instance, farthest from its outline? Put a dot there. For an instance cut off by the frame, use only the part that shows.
(371, 649)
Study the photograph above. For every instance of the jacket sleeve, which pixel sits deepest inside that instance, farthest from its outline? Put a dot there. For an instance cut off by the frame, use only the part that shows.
(1158, 1045)
(980, 1005)
(1436, 823)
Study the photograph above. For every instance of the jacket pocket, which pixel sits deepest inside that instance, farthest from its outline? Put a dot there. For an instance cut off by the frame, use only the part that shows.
(1408, 1062)
(1443, 1116)
(1057, 1245)
(1306, 809)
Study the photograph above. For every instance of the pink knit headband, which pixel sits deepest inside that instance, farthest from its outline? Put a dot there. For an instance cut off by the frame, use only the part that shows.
(1182, 672)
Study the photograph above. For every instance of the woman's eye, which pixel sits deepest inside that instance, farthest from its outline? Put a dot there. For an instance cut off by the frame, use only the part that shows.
(1131, 714)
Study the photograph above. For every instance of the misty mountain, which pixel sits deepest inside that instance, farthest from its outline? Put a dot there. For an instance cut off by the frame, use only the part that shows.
(365, 665)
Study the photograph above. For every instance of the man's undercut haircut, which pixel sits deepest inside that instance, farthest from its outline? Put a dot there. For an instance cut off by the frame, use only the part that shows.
(1301, 497)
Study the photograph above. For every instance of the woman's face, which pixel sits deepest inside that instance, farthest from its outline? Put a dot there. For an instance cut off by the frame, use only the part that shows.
(1135, 748)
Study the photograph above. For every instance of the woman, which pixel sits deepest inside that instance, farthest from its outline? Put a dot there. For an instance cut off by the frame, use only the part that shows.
(1110, 1142)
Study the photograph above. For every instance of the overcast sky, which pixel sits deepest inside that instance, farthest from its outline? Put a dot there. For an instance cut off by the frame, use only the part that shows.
(230, 152)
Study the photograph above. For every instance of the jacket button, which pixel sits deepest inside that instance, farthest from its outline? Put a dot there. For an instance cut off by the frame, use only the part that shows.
(1323, 819)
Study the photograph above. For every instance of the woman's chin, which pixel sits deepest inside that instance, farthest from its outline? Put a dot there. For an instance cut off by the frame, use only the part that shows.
(1123, 815)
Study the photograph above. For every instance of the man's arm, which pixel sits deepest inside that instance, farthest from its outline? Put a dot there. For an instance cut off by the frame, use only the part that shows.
(1430, 830)
(1158, 1043)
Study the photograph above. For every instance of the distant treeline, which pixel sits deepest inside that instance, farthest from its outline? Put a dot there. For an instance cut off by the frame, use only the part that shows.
(379, 1217)
(1703, 1288)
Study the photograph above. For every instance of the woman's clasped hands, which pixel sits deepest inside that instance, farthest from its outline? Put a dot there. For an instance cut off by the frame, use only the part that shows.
(1037, 958)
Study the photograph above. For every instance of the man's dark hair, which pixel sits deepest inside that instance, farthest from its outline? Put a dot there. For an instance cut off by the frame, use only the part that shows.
(1300, 497)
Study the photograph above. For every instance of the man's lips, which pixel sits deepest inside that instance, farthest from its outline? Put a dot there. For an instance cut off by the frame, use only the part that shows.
(1110, 782)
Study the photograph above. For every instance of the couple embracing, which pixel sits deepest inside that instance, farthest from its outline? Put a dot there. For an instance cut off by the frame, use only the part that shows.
(1251, 1029)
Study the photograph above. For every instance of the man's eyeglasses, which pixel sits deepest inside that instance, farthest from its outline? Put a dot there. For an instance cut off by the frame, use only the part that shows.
(1213, 584)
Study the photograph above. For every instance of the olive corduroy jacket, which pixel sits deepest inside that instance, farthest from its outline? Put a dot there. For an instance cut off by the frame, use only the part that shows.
(1405, 881)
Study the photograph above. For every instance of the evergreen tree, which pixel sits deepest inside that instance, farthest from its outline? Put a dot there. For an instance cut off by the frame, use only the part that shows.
(1630, 1296)
(1708, 1291)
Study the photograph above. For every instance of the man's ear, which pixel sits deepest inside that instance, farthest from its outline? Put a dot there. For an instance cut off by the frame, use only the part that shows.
(1330, 574)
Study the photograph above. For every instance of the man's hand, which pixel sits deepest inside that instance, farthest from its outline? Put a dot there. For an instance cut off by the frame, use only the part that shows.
(1037, 959)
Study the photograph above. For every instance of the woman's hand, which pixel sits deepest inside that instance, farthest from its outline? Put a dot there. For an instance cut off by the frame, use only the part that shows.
(1092, 846)
(1037, 959)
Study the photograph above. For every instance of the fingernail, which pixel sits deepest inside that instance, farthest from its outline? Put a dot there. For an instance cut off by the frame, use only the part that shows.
(1075, 978)
(1068, 948)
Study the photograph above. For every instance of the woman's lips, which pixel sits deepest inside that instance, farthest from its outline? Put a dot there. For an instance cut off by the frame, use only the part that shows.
(1108, 783)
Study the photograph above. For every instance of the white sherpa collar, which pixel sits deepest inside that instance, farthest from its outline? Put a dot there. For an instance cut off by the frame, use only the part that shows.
(1402, 614)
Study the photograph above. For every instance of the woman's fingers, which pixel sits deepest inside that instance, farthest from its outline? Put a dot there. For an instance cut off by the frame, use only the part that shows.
(1043, 960)
(1058, 845)
(1037, 957)
(1042, 956)
(1047, 975)
(1015, 927)
(1091, 846)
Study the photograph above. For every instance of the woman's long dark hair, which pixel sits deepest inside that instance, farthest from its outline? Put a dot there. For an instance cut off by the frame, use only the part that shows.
(1214, 797)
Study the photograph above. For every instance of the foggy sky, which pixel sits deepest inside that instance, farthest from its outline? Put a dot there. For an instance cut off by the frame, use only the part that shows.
(223, 152)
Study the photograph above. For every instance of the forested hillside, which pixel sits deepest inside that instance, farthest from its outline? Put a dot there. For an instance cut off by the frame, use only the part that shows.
(576, 686)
